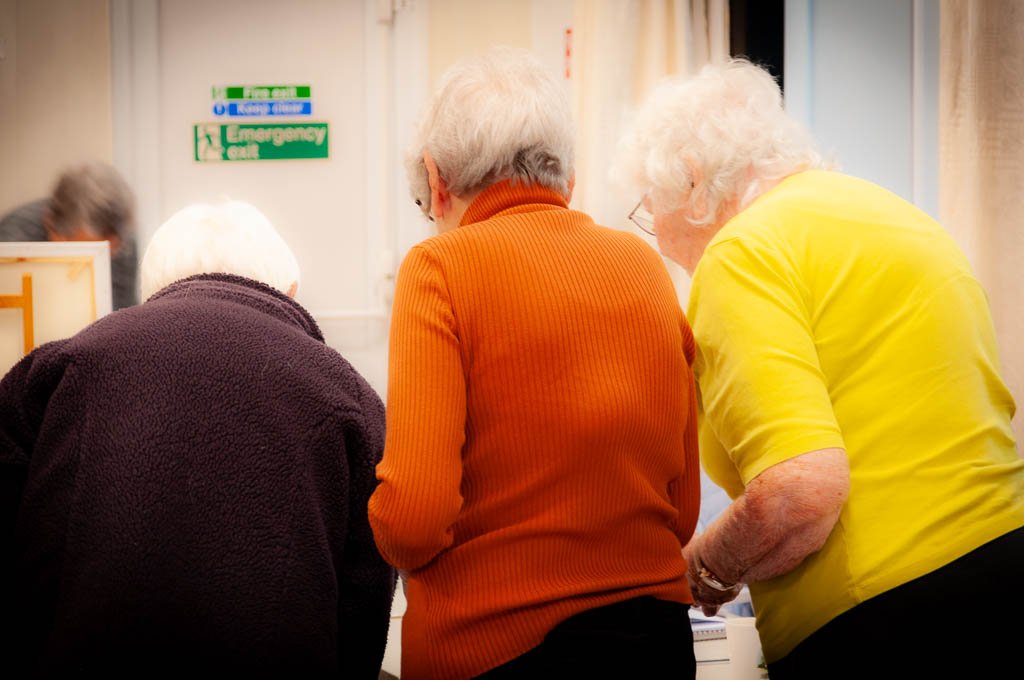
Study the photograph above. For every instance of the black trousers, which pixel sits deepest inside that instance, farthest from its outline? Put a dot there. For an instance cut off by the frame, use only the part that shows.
(963, 620)
(643, 637)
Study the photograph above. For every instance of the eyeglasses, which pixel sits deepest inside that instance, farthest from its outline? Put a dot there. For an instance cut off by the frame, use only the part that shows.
(642, 218)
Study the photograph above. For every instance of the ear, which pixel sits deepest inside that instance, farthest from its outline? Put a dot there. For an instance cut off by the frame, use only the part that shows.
(572, 185)
(440, 197)
(698, 191)
(293, 289)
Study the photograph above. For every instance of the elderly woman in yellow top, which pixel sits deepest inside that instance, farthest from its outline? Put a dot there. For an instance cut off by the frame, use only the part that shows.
(851, 399)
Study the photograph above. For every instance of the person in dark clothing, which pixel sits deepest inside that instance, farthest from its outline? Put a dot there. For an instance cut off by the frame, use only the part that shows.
(184, 484)
(90, 202)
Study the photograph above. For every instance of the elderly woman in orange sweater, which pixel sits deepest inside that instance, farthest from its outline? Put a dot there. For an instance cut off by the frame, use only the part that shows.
(540, 472)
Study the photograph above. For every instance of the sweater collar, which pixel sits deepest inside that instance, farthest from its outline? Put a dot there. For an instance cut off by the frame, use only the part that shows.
(509, 197)
(255, 294)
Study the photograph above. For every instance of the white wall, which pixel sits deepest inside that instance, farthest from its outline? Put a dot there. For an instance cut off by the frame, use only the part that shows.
(864, 77)
(459, 28)
(54, 92)
(170, 55)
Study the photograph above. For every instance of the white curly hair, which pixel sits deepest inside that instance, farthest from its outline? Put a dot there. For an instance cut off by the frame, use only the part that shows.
(700, 143)
(230, 238)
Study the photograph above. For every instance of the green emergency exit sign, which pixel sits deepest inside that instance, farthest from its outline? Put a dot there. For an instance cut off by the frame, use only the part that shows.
(216, 142)
(261, 92)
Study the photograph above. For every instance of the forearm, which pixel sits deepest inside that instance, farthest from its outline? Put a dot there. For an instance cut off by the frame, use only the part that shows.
(784, 516)
(410, 532)
(741, 547)
(419, 497)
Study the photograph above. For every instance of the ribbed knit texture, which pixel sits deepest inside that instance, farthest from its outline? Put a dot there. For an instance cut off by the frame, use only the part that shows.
(541, 452)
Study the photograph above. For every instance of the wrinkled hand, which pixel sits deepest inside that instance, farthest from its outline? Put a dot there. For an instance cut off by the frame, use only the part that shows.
(710, 599)
(707, 598)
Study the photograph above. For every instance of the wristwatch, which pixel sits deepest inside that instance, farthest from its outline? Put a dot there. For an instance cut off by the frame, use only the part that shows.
(708, 577)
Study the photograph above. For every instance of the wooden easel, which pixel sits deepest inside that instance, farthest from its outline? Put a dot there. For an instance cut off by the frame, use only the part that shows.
(24, 302)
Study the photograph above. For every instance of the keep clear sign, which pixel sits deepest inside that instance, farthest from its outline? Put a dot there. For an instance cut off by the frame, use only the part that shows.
(265, 101)
(260, 141)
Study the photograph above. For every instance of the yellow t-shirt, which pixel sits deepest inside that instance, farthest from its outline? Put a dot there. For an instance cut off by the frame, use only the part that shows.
(832, 313)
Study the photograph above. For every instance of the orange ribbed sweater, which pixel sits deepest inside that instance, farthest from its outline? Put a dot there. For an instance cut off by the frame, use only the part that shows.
(541, 454)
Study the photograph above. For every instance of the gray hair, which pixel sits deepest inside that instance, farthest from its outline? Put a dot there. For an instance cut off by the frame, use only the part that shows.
(495, 117)
(699, 142)
(95, 195)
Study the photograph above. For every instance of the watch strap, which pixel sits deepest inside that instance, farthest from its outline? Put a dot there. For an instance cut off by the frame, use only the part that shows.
(708, 577)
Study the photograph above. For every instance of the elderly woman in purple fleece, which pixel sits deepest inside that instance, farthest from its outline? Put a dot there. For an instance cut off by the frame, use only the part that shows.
(183, 484)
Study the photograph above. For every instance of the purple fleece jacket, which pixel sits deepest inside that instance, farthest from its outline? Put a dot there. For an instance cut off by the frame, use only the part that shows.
(183, 489)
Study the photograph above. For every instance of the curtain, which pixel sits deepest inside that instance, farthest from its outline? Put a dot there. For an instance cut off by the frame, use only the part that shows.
(621, 49)
(981, 161)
